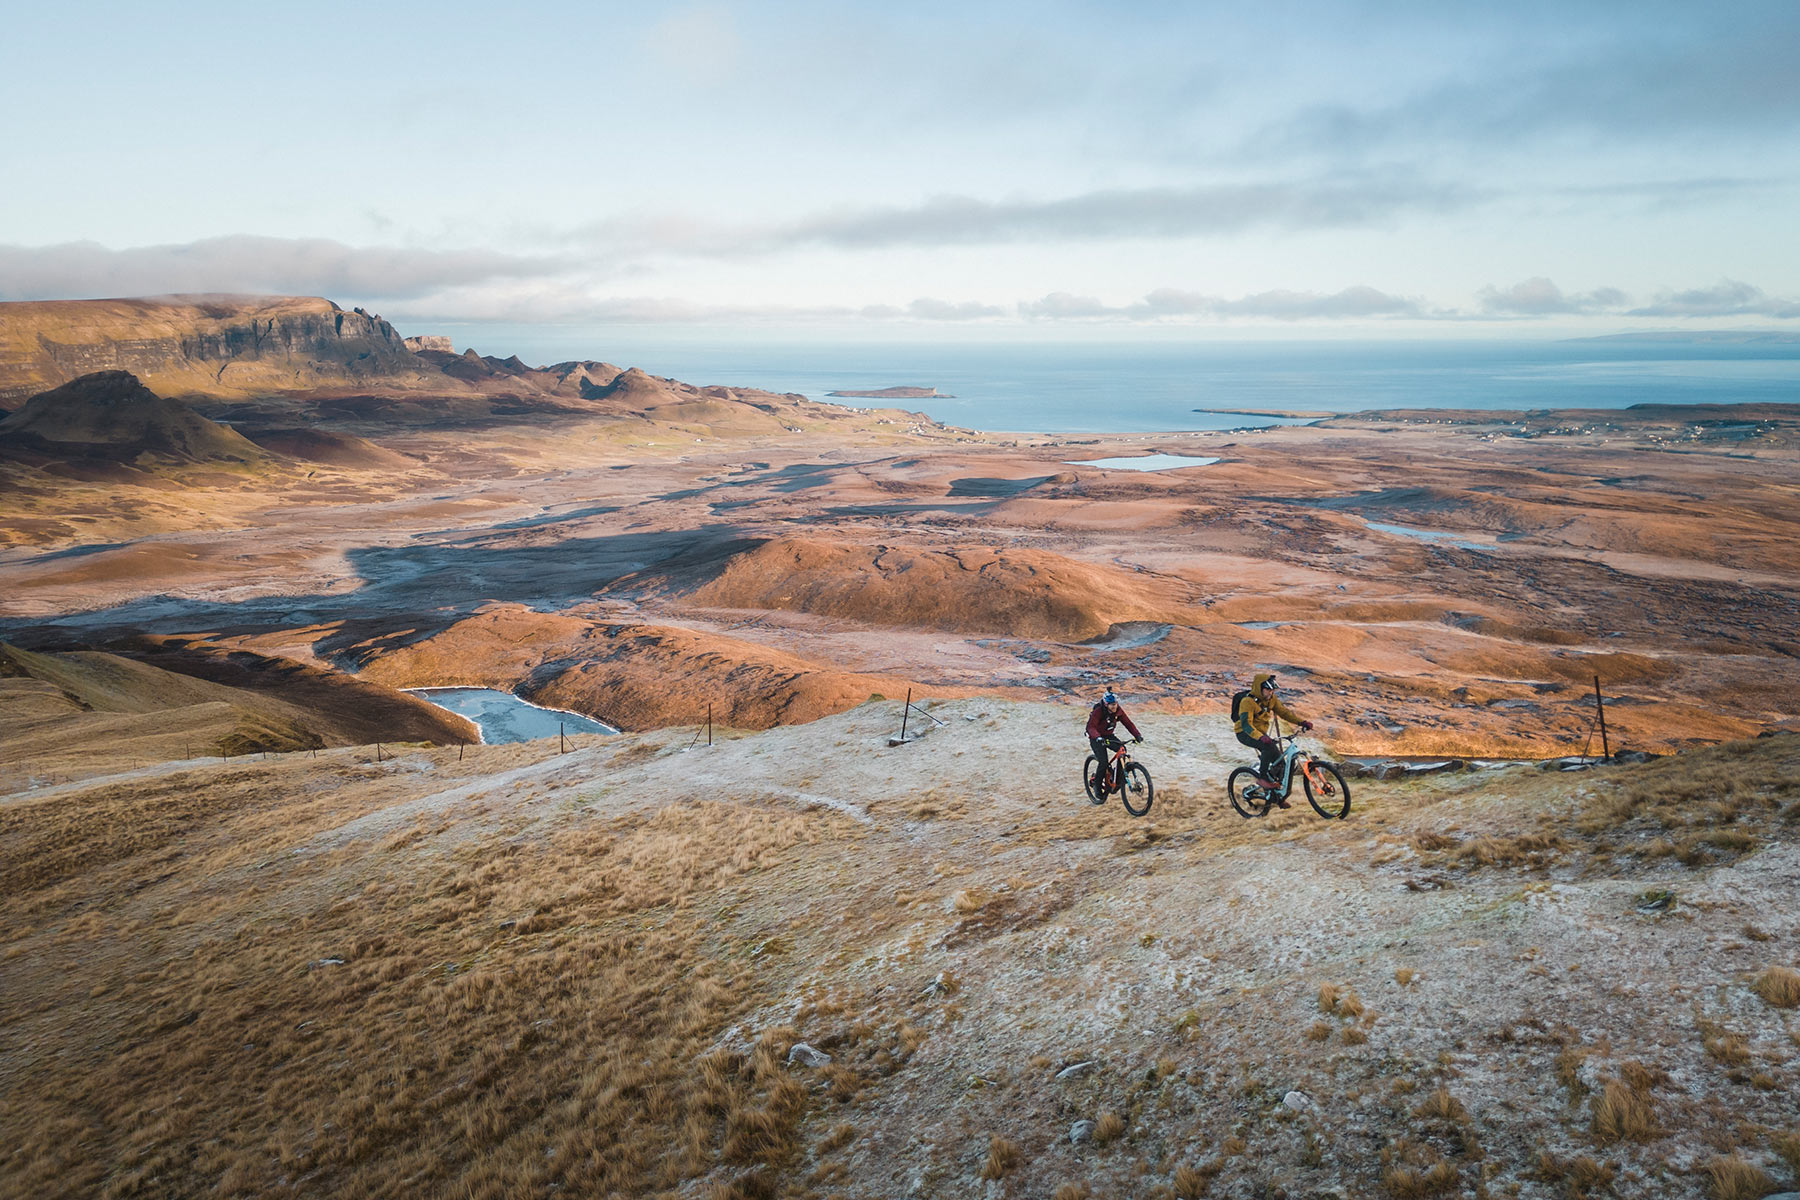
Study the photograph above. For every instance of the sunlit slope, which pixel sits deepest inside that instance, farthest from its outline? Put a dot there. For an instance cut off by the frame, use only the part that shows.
(587, 973)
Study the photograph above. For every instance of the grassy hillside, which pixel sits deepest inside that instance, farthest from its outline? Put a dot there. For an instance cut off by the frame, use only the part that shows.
(530, 974)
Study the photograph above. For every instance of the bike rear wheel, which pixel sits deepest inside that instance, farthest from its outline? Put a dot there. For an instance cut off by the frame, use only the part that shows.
(1249, 799)
(1331, 798)
(1138, 791)
(1090, 781)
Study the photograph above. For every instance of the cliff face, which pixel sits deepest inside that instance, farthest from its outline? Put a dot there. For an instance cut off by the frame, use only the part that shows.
(201, 345)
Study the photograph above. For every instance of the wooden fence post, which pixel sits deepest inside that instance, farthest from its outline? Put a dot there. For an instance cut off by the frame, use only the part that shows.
(905, 713)
(709, 722)
(1600, 709)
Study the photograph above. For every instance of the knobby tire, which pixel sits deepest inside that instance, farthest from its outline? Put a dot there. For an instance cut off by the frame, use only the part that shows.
(1334, 802)
(1090, 781)
(1242, 779)
(1137, 787)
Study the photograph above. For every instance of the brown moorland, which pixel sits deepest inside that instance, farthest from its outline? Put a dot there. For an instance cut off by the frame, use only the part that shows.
(530, 971)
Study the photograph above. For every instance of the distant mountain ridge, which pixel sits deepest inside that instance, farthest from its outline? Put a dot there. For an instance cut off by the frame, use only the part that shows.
(222, 346)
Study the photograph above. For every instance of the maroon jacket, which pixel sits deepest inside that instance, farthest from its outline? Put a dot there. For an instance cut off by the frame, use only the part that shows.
(1100, 722)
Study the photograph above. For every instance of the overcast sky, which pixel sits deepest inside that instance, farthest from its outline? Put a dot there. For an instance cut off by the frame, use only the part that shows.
(1022, 170)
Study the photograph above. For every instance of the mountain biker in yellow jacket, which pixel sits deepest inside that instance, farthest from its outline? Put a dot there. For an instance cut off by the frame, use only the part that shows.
(1252, 725)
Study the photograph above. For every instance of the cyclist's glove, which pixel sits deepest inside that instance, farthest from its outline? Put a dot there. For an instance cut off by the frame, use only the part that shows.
(1137, 741)
(1306, 725)
(1113, 743)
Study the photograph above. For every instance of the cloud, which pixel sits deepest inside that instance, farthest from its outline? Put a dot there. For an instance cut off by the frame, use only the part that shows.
(243, 263)
(1360, 301)
(1722, 78)
(1539, 297)
(701, 44)
(1730, 298)
(1335, 202)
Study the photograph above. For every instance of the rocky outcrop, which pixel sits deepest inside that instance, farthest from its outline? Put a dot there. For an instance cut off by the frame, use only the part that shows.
(430, 341)
(200, 345)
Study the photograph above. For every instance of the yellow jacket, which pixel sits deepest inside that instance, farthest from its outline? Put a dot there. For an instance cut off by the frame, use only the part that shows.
(1253, 711)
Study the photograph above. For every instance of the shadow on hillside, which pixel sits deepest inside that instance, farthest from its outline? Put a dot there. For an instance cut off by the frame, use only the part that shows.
(427, 585)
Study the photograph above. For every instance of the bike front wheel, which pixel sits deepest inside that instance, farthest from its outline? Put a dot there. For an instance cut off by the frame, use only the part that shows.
(1330, 795)
(1249, 799)
(1138, 791)
(1090, 781)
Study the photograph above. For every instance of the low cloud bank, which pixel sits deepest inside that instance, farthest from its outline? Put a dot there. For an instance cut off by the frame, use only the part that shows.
(245, 263)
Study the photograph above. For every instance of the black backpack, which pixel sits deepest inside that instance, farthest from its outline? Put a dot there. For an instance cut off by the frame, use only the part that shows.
(1237, 702)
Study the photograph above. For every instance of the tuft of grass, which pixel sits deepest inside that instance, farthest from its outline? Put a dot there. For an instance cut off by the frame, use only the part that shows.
(1233, 1146)
(1413, 1171)
(1404, 976)
(1320, 1031)
(1779, 986)
(969, 900)
(1002, 1158)
(1581, 1174)
(1443, 1106)
(1788, 1146)
(1355, 1037)
(1623, 1113)
(1731, 1178)
(1350, 1007)
(1073, 1191)
(1328, 997)
(1108, 1128)
(1568, 1071)
(1191, 1182)
(1724, 1046)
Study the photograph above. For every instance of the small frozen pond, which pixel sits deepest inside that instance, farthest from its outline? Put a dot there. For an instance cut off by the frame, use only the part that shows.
(1146, 462)
(1430, 535)
(503, 717)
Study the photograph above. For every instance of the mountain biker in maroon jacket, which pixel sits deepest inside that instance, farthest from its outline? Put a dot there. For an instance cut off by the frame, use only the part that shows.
(1101, 720)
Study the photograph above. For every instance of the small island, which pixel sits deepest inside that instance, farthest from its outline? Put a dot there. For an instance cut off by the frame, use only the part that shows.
(894, 393)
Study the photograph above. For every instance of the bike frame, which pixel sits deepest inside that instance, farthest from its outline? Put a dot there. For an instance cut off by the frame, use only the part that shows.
(1291, 755)
(1116, 767)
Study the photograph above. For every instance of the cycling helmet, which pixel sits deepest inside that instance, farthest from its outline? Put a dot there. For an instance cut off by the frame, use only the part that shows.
(1109, 698)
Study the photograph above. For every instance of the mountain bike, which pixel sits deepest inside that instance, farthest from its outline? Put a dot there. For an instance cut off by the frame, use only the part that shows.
(1137, 792)
(1324, 784)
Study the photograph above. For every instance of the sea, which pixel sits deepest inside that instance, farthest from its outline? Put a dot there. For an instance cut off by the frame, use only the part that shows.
(1083, 387)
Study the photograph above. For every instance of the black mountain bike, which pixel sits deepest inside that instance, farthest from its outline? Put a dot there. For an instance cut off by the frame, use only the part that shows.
(1137, 791)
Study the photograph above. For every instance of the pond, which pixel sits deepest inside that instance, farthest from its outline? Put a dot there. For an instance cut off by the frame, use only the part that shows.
(1429, 535)
(503, 717)
(1146, 462)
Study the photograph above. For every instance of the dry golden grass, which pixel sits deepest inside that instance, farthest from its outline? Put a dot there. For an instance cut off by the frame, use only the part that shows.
(1413, 1171)
(475, 1018)
(1443, 1106)
(1731, 1049)
(1191, 1182)
(1233, 1146)
(1788, 1146)
(1405, 976)
(1320, 1032)
(1108, 1128)
(1355, 1037)
(1002, 1158)
(1350, 1007)
(1072, 1191)
(1779, 986)
(1705, 806)
(1624, 1113)
(1568, 1071)
(1581, 1174)
(1729, 1177)
(1328, 997)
